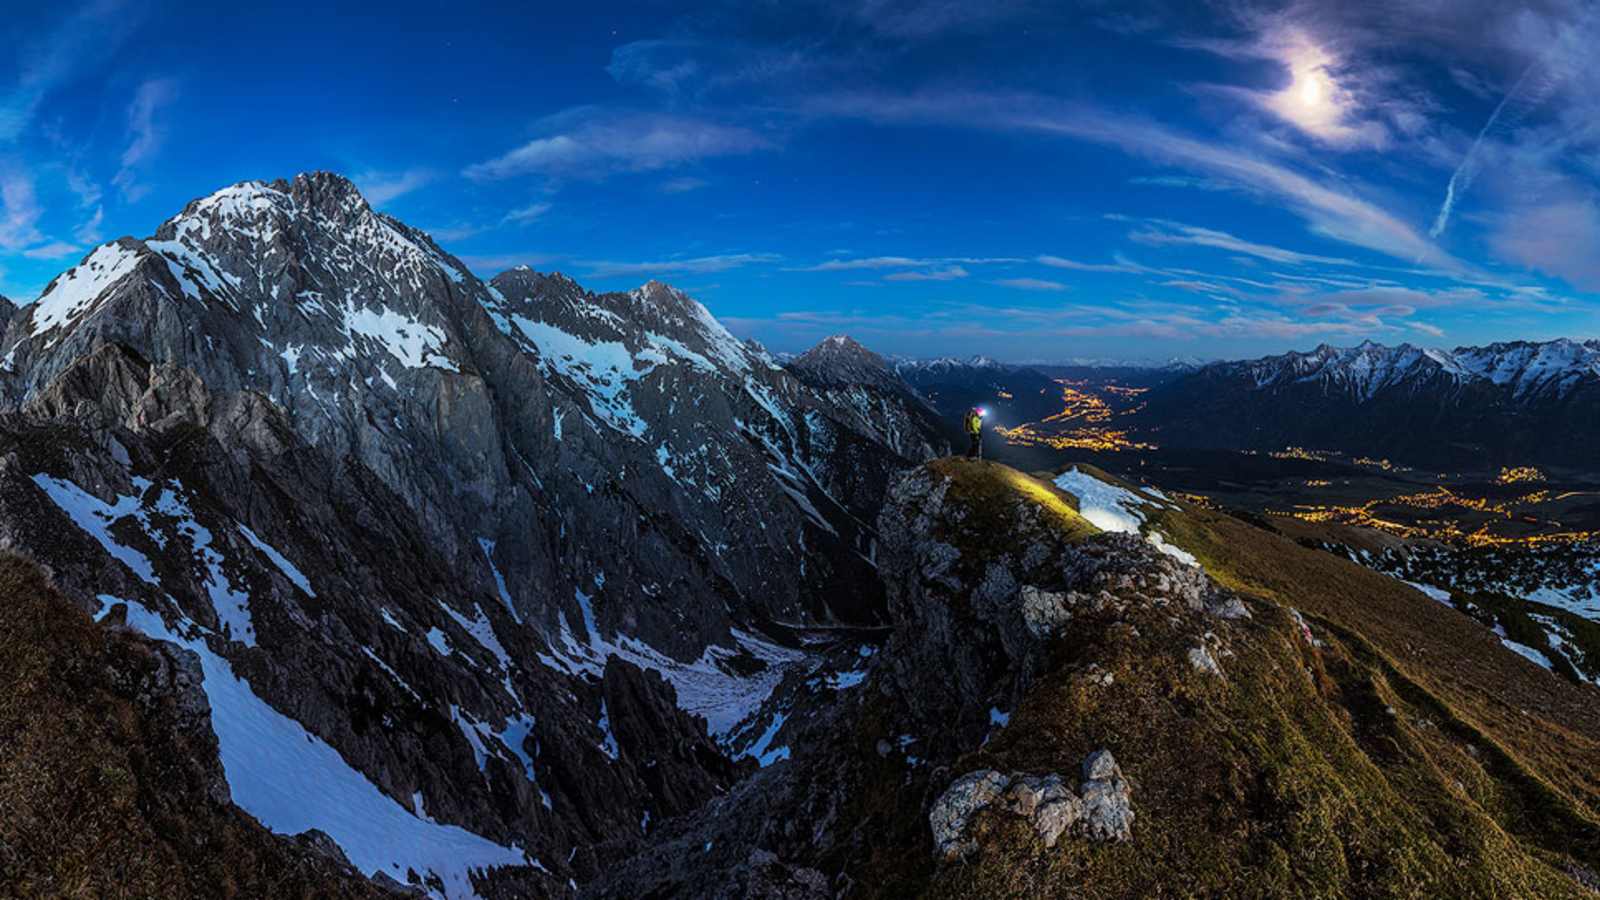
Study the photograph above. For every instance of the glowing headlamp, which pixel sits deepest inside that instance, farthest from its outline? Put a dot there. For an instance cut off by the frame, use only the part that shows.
(982, 412)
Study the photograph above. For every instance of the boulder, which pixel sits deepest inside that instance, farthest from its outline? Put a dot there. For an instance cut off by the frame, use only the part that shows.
(1100, 810)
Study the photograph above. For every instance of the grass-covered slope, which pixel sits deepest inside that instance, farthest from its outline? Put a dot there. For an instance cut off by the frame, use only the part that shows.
(109, 780)
(1375, 744)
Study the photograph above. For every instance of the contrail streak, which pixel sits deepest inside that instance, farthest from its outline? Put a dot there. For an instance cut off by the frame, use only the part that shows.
(1468, 169)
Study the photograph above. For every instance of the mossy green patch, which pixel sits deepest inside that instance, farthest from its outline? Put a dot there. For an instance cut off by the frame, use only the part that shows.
(991, 495)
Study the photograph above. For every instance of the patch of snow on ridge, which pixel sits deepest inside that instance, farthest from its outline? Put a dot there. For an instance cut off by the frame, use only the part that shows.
(1111, 508)
(292, 781)
(1439, 594)
(288, 569)
(604, 369)
(1106, 506)
(499, 579)
(762, 749)
(1523, 650)
(231, 605)
(709, 687)
(482, 631)
(72, 293)
(186, 266)
(95, 517)
(1172, 550)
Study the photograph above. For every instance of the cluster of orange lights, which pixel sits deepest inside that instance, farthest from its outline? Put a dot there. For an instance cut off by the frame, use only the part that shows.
(1076, 439)
(1369, 515)
(1081, 423)
(1519, 475)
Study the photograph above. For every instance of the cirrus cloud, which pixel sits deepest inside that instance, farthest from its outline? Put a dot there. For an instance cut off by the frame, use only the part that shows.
(588, 144)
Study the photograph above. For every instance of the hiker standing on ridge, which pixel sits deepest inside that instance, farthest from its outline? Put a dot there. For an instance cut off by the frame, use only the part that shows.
(974, 423)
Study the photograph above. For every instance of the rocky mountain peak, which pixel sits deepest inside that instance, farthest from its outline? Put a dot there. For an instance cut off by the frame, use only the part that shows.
(843, 346)
(841, 360)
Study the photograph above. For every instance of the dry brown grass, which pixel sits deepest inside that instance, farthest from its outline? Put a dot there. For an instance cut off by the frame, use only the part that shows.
(101, 796)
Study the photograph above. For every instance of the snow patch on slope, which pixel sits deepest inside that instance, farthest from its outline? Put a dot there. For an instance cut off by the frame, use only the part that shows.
(292, 781)
(95, 517)
(707, 687)
(288, 569)
(1112, 508)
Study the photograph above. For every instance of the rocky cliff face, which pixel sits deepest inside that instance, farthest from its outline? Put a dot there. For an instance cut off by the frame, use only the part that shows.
(424, 519)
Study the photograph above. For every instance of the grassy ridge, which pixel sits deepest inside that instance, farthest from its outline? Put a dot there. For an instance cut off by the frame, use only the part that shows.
(1395, 751)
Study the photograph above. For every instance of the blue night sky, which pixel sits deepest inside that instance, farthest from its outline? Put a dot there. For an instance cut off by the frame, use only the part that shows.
(1028, 180)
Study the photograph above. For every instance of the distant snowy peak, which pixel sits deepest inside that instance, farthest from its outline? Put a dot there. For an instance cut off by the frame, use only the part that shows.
(627, 355)
(947, 364)
(1555, 366)
(1527, 369)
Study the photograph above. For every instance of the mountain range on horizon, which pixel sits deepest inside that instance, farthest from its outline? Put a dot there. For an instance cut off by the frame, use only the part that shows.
(1484, 406)
(335, 569)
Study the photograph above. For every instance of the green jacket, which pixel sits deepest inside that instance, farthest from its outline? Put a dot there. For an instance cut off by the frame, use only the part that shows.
(974, 423)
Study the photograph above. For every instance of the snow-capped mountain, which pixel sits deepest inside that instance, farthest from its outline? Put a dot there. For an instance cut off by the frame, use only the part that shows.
(1504, 403)
(944, 364)
(1527, 369)
(484, 548)
(1552, 368)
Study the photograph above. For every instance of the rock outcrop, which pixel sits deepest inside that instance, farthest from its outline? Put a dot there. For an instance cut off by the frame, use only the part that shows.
(1099, 809)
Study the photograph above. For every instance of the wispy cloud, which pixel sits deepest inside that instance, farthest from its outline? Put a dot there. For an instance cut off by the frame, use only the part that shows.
(381, 188)
(145, 133)
(948, 273)
(1160, 232)
(1120, 266)
(903, 262)
(52, 250)
(589, 144)
(1180, 181)
(1031, 284)
(1333, 212)
(1557, 236)
(682, 185)
(19, 210)
(88, 232)
(524, 215)
(692, 265)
